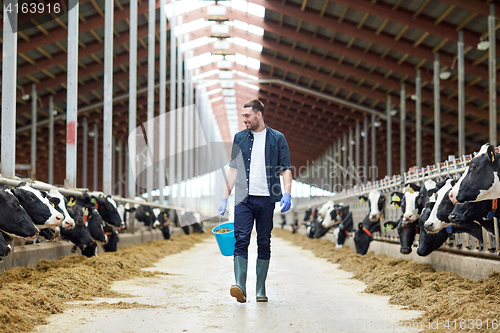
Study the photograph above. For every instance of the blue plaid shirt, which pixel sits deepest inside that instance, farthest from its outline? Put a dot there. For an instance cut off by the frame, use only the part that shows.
(277, 158)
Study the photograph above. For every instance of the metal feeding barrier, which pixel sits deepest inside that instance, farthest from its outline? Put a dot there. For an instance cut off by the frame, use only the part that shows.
(462, 243)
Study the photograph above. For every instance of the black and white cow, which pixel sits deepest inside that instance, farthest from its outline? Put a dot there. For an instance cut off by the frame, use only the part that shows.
(310, 221)
(371, 222)
(480, 180)
(376, 204)
(37, 205)
(5, 247)
(164, 219)
(107, 207)
(481, 212)
(345, 226)
(81, 238)
(68, 221)
(146, 215)
(412, 203)
(14, 220)
(93, 221)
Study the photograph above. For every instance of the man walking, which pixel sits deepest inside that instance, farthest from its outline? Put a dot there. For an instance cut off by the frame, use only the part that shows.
(259, 155)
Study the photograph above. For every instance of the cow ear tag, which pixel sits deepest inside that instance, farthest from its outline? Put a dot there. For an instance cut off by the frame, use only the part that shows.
(146, 213)
(362, 200)
(71, 202)
(395, 197)
(493, 156)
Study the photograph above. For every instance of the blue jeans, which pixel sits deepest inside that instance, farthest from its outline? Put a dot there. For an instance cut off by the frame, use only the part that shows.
(262, 210)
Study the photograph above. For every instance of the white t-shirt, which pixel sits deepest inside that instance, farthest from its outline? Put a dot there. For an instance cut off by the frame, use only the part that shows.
(258, 178)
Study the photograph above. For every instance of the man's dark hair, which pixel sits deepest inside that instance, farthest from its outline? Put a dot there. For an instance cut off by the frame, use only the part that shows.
(256, 105)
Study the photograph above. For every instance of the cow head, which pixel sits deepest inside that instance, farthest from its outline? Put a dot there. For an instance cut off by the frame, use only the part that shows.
(93, 221)
(480, 179)
(406, 232)
(5, 247)
(146, 215)
(376, 204)
(471, 211)
(37, 205)
(14, 219)
(362, 239)
(310, 213)
(438, 217)
(413, 203)
(107, 207)
(60, 202)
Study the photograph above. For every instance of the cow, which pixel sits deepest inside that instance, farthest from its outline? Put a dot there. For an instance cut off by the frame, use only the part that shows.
(113, 239)
(5, 247)
(480, 180)
(107, 207)
(37, 205)
(164, 219)
(14, 220)
(327, 218)
(310, 219)
(376, 204)
(177, 222)
(81, 238)
(146, 215)
(371, 222)
(93, 221)
(68, 221)
(481, 212)
(345, 226)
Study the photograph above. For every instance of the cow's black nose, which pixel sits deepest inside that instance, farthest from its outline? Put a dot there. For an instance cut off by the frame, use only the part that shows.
(405, 250)
(453, 218)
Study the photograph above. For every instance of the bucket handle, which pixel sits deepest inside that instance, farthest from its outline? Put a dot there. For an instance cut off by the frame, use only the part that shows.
(220, 217)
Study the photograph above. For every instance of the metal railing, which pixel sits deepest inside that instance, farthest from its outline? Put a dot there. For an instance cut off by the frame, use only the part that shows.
(453, 168)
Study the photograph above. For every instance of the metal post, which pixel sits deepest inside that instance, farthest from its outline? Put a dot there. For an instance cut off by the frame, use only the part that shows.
(345, 164)
(51, 140)
(374, 150)
(180, 112)
(437, 111)
(151, 98)
(96, 157)
(163, 100)
(492, 63)
(402, 124)
(72, 95)
(358, 151)
(191, 115)
(172, 112)
(85, 152)
(186, 112)
(9, 75)
(120, 168)
(389, 136)
(113, 165)
(418, 119)
(365, 149)
(350, 160)
(461, 95)
(107, 130)
(33, 130)
(132, 107)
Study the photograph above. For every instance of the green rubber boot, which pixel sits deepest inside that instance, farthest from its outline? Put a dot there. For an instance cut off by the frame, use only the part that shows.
(262, 268)
(240, 273)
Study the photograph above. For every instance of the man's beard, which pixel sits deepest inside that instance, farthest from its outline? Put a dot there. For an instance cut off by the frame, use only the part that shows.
(253, 126)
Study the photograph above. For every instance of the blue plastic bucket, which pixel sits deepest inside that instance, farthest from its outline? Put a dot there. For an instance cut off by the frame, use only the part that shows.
(226, 240)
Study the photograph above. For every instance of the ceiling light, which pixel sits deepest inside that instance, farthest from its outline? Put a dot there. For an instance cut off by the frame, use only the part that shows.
(362, 134)
(413, 97)
(483, 45)
(25, 97)
(394, 112)
(377, 124)
(445, 75)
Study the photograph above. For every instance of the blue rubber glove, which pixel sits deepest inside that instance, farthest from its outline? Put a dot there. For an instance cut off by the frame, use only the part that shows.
(222, 207)
(286, 202)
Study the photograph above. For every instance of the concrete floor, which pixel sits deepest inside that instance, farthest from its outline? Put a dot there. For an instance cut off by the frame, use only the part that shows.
(306, 294)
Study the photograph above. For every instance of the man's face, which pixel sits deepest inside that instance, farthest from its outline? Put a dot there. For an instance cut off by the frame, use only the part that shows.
(251, 118)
